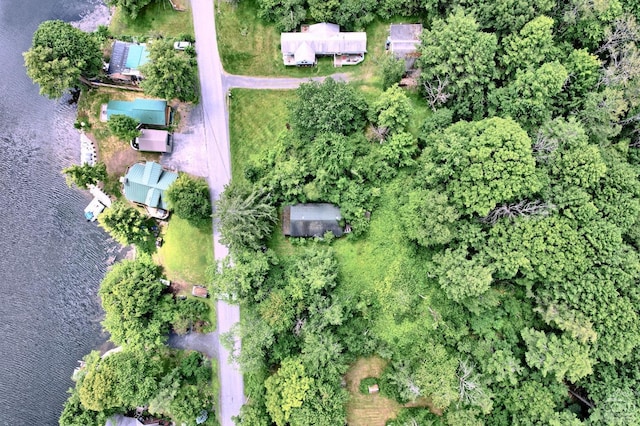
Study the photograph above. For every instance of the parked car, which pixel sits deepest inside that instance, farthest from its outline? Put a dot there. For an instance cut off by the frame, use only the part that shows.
(181, 45)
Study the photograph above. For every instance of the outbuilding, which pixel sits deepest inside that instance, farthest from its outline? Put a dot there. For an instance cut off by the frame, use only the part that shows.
(152, 140)
(311, 220)
(403, 42)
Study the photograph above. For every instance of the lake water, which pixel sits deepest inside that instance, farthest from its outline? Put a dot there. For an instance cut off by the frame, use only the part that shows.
(51, 259)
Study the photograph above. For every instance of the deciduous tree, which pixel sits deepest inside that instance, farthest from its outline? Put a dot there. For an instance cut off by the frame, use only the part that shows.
(170, 73)
(189, 198)
(59, 55)
(85, 175)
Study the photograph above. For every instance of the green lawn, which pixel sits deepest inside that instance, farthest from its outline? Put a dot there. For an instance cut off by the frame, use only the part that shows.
(157, 19)
(249, 46)
(187, 251)
(256, 118)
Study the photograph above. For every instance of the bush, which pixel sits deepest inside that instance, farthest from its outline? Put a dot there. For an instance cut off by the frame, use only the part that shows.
(365, 383)
(189, 198)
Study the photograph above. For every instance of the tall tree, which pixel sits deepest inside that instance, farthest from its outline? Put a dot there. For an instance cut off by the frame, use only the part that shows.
(137, 313)
(126, 224)
(85, 175)
(130, 8)
(286, 390)
(457, 51)
(245, 217)
(170, 73)
(59, 55)
(481, 164)
(124, 127)
(327, 107)
(189, 198)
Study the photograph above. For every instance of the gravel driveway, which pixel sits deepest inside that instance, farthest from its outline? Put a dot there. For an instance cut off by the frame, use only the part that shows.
(189, 147)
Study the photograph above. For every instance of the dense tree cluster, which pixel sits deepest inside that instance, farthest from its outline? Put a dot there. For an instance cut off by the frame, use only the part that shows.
(508, 221)
(139, 312)
(59, 55)
(85, 175)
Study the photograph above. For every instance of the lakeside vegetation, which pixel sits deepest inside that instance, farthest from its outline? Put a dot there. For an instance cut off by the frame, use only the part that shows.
(141, 309)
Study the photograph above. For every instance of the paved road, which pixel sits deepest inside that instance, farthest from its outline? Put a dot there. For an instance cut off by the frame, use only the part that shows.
(231, 81)
(206, 343)
(216, 137)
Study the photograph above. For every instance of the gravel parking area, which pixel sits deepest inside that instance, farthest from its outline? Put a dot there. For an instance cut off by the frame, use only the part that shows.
(189, 148)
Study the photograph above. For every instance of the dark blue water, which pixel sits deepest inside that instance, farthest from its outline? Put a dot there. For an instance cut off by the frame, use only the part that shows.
(51, 260)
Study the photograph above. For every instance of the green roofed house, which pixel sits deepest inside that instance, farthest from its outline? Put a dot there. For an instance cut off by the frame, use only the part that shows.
(151, 112)
(311, 220)
(126, 59)
(145, 184)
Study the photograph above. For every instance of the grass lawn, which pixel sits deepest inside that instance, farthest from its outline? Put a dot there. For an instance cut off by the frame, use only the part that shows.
(368, 410)
(249, 46)
(256, 118)
(158, 18)
(187, 251)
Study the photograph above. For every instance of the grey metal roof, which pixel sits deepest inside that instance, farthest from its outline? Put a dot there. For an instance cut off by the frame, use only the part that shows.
(400, 32)
(311, 220)
(404, 39)
(126, 58)
(154, 140)
(120, 420)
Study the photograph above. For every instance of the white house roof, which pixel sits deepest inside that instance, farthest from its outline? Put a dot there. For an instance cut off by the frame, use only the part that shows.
(324, 39)
(304, 54)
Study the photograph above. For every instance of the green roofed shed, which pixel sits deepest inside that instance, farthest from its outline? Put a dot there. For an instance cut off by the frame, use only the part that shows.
(147, 111)
(145, 184)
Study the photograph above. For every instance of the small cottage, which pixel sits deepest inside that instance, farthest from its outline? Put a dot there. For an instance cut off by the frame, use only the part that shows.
(311, 220)
(126, 60)
(152, 140)
(403, 42)
(145, 184)
(151, 112)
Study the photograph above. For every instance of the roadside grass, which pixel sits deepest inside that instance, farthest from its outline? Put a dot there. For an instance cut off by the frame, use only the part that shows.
(256, 119)
(248, 46)
(368, 410)
(157, 19)
(186, 253)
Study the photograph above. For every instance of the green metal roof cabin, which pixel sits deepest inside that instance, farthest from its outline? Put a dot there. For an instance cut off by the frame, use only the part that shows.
(147, 111)
(145, 184)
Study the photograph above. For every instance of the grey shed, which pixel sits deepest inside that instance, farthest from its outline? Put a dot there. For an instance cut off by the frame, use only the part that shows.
(311, 220)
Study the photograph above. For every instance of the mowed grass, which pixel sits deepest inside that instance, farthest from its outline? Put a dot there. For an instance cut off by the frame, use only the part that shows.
(368, 410)
(157, 19)
(249, 46)
(256, 118)
(187, 251)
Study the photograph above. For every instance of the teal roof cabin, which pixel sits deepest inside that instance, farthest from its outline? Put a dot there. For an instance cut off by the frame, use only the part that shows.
(153, 112)
(145, 184)
(127, 58)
